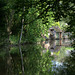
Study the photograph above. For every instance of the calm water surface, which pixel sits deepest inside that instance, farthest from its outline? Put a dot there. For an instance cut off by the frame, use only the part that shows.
(51, 58)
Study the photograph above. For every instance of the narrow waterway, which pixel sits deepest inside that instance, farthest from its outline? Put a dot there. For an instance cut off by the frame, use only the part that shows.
(53, 57)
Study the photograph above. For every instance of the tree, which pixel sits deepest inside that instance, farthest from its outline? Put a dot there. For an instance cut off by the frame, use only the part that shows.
(60, 8)
(3, 26)
(44, 12)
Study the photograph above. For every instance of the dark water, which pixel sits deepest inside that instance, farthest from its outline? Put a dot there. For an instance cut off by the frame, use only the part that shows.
(52, 58)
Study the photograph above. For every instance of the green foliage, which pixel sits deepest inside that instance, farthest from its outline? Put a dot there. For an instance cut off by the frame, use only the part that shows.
(14, 50)
(45, 62)
(38, 27)
(14, 39)
(63, 25)
(62, 53)
(34, 61)
(38, 16)
(3, 27)
(70, 63)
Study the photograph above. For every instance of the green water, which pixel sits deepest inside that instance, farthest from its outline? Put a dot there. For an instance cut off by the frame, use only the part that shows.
(33, 59)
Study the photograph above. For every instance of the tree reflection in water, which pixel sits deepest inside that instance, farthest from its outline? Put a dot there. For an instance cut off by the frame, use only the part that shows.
(67, 67)
(70, 63)
(63, 63)
(35, 63)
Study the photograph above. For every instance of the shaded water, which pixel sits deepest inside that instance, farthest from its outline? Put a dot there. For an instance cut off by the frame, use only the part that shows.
(52, 58)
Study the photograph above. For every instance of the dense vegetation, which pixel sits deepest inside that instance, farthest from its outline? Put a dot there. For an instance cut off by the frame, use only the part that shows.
(28, 19)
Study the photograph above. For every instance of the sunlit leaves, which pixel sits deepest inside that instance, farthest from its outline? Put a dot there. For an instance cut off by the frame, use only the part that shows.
(38, 15)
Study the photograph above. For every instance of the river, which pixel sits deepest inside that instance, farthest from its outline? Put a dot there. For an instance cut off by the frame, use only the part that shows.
(53, 57)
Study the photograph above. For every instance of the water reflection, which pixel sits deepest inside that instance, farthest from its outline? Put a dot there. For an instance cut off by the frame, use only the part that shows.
(70, 64)
(55, 45)
(56, 58)
(60, 50)
(22, 63)
(35, 63)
